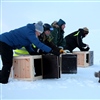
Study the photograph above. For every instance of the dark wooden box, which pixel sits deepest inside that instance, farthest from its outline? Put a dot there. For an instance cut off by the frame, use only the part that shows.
(69, 63)
(51, 66)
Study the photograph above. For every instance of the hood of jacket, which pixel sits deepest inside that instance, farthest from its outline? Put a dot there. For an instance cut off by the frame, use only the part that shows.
(55, 25)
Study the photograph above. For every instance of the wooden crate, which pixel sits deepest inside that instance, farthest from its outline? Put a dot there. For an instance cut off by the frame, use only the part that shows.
(24, 67)
(51, 66)
(68, 63)
(84, 59)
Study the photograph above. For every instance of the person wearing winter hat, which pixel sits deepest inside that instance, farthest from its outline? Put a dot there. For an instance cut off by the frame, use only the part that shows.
(74, 40)
(61, 22)
(22, 51)
(39, 27)
(58, 33)
(22, 37)
(86, 30)
(47, 27)
(46, 37)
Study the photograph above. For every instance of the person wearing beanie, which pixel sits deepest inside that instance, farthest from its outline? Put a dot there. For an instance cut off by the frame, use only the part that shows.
(58, 33)
(39, 27)
(61, 22)
(47, 27)
(22, 51)
(86, 30)
(46, 37)
(15, 39)
(75, 39)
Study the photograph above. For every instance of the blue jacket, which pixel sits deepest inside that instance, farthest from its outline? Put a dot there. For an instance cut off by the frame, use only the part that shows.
(23, 36)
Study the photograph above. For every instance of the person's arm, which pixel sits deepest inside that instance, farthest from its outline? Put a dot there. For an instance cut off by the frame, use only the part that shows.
(82, 46)
(34, 40)
(42, 46)
(52, 45)
(30, 49)
(86, 48)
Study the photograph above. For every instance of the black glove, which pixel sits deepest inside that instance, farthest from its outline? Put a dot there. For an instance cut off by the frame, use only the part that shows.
(85, 48)
(55, 52)
(34, 53)
(41, 52)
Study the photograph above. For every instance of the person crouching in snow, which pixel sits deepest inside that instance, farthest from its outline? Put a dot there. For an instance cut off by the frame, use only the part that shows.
(74, 40)
(17, 38)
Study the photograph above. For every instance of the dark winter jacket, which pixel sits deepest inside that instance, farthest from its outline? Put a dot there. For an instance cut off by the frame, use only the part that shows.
(23, 37)
(74, 40)
(58, 35)
(48, 41)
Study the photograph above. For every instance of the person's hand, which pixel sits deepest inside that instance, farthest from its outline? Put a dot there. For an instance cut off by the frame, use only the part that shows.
(41, 52)
(61, 51)
(67, 51)
(55, 52)
(85, 48)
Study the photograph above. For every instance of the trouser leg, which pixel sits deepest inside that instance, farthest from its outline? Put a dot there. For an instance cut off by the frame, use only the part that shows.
(7, 60)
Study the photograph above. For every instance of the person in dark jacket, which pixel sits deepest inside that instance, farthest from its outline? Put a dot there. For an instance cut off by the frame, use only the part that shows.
(58, 33)
(46, 37)
(17, 38)
(74, 40)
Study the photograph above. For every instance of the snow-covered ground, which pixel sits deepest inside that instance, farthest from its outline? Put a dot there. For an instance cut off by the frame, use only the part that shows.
(82, 85)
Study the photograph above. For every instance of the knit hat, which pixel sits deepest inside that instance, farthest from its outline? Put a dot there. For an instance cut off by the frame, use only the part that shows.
(61, 22)
(47, 27)
(86, 29)
(39, 27)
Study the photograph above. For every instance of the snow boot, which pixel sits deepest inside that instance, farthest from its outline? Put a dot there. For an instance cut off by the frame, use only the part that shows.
(4, 76)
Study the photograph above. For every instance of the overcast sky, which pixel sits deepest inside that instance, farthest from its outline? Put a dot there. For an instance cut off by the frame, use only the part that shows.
(15, 14)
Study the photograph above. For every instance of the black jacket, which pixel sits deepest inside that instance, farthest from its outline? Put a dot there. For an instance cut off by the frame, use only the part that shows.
(74, 40)
(48, 41)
